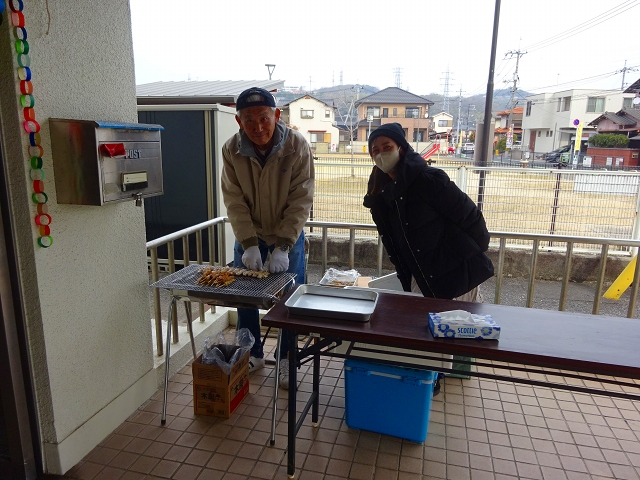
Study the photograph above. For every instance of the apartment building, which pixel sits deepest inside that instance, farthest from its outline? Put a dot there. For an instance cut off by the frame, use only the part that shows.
(394, 105)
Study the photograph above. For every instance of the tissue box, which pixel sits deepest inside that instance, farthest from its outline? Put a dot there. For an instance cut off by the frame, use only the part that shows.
(441, 329)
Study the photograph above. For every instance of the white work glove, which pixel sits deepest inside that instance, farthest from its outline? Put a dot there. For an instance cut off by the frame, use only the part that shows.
(279, 261)
(252, 259)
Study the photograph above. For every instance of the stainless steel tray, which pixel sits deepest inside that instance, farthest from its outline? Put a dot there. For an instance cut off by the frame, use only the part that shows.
(345, 304)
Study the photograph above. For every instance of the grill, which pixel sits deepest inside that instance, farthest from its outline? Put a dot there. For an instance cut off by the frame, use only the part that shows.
(244, 292)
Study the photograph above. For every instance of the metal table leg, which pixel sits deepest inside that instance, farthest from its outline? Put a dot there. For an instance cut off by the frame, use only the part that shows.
(167, 354)
(275, 390)
(293, 388)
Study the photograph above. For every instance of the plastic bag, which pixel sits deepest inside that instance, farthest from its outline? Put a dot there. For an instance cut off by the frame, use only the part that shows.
(225, 350)
(340, 278)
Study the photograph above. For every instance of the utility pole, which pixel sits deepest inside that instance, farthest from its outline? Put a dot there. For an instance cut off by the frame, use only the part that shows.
(352, 108)
(624, 72)
(459, 113)
(468, 109)
(514, 88)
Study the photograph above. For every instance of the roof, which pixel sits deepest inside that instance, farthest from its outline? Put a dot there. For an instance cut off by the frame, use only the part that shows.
(395, 95)
(206, 92)
(443, 113)
(621, 117)
(506, 130)
(305, 96)
(634, 87)
(516, 111)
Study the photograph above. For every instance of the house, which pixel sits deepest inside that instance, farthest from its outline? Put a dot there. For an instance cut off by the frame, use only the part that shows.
(548, 118)
(315, 119)
(393, 104)
(441, 123)
(625, 121)
(506, 117)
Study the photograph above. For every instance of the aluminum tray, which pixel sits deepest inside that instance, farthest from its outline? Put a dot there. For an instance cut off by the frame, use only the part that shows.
(244, 292)
(344, 304)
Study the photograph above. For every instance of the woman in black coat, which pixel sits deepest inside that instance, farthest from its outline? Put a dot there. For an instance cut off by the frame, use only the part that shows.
(433, 232)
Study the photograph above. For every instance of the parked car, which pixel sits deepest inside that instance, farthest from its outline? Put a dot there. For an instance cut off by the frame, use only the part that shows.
(467, 148)
(555, 156)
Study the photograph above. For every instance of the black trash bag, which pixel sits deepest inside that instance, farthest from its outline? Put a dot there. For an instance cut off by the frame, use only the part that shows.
(227, 348)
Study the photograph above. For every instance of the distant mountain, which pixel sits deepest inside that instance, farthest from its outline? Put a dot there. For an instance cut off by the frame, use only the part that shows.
(501, 100)
(341, 96)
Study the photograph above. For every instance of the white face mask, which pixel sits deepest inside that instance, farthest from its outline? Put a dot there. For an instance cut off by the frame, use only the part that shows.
(386, 161)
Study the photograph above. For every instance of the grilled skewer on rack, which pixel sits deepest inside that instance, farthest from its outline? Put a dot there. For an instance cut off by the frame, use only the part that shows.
(221, 277)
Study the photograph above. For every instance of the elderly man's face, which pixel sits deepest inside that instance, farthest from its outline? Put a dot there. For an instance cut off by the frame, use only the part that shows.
(259, 124)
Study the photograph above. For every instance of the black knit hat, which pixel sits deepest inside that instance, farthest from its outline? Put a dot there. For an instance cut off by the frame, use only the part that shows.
(255, 97)
(393, 131)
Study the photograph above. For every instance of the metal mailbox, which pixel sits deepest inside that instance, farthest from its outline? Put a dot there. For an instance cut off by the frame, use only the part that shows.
(98, 163)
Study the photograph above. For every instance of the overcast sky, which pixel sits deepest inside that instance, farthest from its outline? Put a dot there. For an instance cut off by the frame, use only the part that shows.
(569, 43)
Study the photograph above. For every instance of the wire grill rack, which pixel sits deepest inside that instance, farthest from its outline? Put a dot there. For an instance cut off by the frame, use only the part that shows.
(243, 292)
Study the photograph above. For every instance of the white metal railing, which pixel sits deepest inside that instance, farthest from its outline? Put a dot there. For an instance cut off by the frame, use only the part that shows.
(535, 242)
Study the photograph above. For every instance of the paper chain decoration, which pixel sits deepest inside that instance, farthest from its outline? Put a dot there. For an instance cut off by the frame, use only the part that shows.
(30, 124)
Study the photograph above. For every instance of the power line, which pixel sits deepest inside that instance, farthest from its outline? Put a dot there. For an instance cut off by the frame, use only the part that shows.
(603, 17)
(594, 77)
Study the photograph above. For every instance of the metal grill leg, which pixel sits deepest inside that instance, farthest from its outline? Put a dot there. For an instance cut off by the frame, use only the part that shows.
(187, 309)
(275, 389)
(167, 352)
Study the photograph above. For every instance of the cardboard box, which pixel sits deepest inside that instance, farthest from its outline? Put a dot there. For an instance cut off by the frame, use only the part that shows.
(490, 330)
(386, 399)
(218, 394)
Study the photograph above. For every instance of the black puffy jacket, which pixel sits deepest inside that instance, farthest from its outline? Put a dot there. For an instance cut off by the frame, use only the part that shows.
(430, 228)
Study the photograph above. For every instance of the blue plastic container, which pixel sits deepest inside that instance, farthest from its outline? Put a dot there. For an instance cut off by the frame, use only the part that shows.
(386, 399)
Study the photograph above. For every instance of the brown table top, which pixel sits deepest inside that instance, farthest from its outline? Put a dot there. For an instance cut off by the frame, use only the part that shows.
(544, 338)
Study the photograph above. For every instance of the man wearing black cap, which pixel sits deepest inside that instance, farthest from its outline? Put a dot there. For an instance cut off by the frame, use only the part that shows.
(267, 187)
(433, 232)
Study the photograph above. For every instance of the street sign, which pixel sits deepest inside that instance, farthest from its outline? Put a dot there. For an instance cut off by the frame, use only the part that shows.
(576, 146)
(510, 136)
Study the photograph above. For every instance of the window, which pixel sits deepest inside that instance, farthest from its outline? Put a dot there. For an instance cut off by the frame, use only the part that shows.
(539, 133)
(315, 137)
(306, 113)
(627, 102)
(327, 114)
(566, 104)
(443, 123)
(559, 105)
(412, 112)
(395, 112)
(595, 104)
(373, 112)
(529, 108)
(385, 112)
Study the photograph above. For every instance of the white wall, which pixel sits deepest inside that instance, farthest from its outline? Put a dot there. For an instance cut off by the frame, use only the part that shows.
(441, 116)
(86, 297)
(546, 117)
(318, 122)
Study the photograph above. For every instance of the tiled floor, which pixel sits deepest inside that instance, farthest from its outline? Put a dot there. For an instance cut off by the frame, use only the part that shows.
(479, 430)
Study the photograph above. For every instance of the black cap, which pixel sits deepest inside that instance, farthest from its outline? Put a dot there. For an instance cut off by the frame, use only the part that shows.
(393, 131)
(255, 97)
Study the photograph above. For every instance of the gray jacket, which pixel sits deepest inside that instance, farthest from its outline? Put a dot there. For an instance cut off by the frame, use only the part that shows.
(271, 202)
